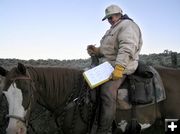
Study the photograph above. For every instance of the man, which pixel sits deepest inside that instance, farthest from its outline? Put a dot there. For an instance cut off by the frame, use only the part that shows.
(120, 46)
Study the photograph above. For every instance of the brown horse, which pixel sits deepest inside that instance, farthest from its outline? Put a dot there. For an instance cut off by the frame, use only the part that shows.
(64, 92)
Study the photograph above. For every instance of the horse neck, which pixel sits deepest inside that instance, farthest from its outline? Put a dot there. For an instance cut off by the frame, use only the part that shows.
(55, 85)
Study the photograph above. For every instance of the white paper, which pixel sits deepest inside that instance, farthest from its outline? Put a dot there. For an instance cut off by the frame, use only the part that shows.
(99, 73)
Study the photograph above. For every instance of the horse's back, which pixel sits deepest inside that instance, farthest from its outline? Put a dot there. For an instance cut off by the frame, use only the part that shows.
(171, 80)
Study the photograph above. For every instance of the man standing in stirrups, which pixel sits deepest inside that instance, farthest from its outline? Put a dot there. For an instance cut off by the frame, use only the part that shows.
(120, 46)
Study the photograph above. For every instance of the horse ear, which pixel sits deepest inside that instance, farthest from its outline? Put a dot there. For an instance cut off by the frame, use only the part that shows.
(21, 68)
(3, 71)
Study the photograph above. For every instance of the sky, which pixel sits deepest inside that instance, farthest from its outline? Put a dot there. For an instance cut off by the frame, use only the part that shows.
(62, 29)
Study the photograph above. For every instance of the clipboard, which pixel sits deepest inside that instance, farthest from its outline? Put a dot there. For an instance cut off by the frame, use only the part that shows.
(98, 75)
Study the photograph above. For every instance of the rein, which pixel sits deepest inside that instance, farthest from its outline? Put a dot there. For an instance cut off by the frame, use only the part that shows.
(21, 78)
(75, 100)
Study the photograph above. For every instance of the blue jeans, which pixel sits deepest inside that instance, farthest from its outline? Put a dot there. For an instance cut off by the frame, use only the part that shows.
(108, 95)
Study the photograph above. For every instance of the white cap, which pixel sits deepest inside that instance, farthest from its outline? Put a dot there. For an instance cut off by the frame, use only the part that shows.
(111, 10)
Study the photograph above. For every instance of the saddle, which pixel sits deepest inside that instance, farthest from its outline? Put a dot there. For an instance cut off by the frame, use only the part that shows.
(142, 88)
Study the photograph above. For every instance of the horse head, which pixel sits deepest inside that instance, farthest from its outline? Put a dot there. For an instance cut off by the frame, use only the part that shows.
(17, 87)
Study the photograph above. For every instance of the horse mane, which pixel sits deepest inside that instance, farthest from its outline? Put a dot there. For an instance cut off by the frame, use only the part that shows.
(55, 84)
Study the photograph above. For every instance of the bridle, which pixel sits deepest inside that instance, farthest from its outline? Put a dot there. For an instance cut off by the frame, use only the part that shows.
(16, 117)
(24, 119)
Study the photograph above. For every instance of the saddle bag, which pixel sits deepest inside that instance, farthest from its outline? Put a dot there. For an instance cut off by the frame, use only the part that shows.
(140, 89)
(141, 85)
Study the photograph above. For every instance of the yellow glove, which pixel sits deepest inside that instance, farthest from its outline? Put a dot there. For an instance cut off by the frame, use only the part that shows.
(118, 72)
(92, 50)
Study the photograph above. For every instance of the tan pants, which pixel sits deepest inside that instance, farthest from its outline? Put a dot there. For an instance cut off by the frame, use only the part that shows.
(108, 95)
